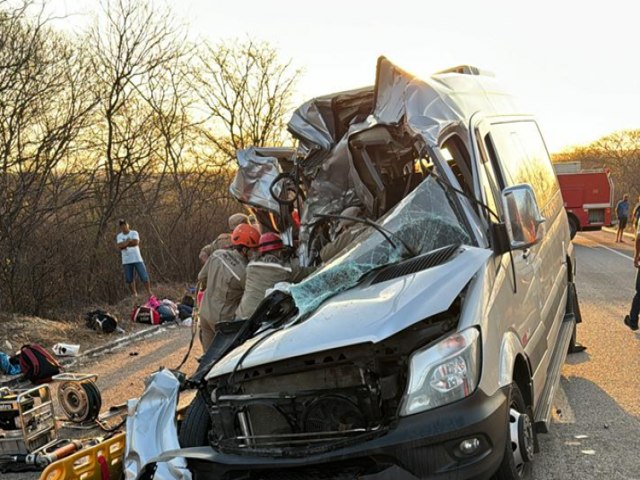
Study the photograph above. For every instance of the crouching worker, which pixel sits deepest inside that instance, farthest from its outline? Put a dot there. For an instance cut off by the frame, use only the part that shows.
(224, 276)
(263, 273)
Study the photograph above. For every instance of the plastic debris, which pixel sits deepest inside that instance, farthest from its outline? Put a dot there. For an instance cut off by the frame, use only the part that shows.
(7, 366)
(588, 452)
(580, 437)
(66, 349)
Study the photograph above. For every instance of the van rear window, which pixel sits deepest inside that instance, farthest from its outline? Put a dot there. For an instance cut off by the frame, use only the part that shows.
(524, 157)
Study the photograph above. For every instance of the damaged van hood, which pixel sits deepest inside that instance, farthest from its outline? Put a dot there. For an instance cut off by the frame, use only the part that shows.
(363, 314)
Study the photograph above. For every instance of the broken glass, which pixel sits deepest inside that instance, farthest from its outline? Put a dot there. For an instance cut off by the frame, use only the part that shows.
(426, 220)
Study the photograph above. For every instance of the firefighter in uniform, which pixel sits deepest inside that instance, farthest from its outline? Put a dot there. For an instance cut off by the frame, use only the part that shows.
(263, 273)
(224, 276)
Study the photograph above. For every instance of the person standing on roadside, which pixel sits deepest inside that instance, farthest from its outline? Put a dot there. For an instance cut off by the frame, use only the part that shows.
(622, 212)
(128, 241)
(631, 320)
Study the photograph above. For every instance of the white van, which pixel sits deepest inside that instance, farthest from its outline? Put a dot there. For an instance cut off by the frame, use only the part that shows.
(431, 345)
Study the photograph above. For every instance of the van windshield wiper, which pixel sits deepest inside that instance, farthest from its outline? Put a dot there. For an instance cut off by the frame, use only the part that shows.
(386, 233)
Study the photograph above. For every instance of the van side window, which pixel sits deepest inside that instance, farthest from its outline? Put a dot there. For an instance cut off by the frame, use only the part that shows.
(489, 180)
(457, 156)
(524, 158)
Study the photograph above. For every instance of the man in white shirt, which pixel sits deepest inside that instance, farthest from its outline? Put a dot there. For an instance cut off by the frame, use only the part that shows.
(128, 241)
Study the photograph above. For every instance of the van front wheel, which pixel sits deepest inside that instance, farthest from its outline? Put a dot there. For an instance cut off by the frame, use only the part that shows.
(519, 448)
(194, 431)
(574, 226)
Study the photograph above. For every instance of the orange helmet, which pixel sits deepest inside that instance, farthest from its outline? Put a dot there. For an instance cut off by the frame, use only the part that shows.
(245, 235)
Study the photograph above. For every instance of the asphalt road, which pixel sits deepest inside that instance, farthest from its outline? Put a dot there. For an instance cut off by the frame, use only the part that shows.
(596, 430)
(596, 434)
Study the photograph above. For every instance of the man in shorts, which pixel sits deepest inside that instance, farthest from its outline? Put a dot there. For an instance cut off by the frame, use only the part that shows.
(128, 241)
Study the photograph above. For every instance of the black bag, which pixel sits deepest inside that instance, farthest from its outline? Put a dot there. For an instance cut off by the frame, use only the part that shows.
(188, 301)
(101, 321)
(184, 311)
(37, 364)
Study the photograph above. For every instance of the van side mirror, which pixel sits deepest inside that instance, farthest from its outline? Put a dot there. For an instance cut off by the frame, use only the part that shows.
(525, 225)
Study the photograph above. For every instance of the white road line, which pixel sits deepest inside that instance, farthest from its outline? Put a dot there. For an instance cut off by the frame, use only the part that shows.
(616, 252)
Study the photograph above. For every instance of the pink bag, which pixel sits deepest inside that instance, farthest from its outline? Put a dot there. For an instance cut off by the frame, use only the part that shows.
(153, 302)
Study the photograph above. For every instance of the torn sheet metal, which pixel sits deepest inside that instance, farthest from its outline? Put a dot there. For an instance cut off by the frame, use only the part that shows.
(320, 123)
(422, 110)
(257, 169)
(430, 106)
(152, 429)
(321, 126)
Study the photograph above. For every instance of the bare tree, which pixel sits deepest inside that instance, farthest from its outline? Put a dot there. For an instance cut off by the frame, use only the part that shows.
(44, 103)
(131, 45)
(109, 122)
(246, 90)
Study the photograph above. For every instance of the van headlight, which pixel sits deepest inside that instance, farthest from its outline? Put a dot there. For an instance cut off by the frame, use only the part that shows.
(443, 373)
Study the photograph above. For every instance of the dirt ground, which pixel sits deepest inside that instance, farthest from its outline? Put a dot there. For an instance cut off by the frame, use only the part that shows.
(17, 330)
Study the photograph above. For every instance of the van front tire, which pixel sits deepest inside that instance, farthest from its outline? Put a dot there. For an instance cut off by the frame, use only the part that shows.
(518, 452)
(574, 226)
(194, 430)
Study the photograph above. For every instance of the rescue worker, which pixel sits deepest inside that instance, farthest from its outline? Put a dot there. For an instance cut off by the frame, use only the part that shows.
(263, 273)
(224, 239)
(346, 232)
(224, 277)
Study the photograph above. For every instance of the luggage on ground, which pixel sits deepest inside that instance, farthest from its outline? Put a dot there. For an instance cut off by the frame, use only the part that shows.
(188, 300)
(144, 314)
(37, 364)
(184, 311)
(101, 321)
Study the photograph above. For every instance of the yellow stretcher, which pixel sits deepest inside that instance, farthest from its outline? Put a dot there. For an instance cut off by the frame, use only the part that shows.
(91, 463)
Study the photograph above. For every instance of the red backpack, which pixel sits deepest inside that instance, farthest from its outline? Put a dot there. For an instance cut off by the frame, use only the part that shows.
(37, 364)
(142, 314)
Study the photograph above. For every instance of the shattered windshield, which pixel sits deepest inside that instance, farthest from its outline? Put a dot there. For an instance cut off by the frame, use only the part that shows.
(425, 220)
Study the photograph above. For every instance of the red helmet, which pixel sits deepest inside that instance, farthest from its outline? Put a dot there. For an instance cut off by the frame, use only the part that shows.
(245, 235)
(270, 241)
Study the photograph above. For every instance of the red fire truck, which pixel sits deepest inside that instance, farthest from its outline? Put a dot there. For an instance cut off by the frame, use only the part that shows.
(587, 194)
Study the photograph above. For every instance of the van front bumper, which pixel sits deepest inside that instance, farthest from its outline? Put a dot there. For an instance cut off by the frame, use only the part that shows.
(420, 446)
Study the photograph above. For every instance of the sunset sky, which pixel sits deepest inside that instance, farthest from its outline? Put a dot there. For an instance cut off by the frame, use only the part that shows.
(573, 64)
